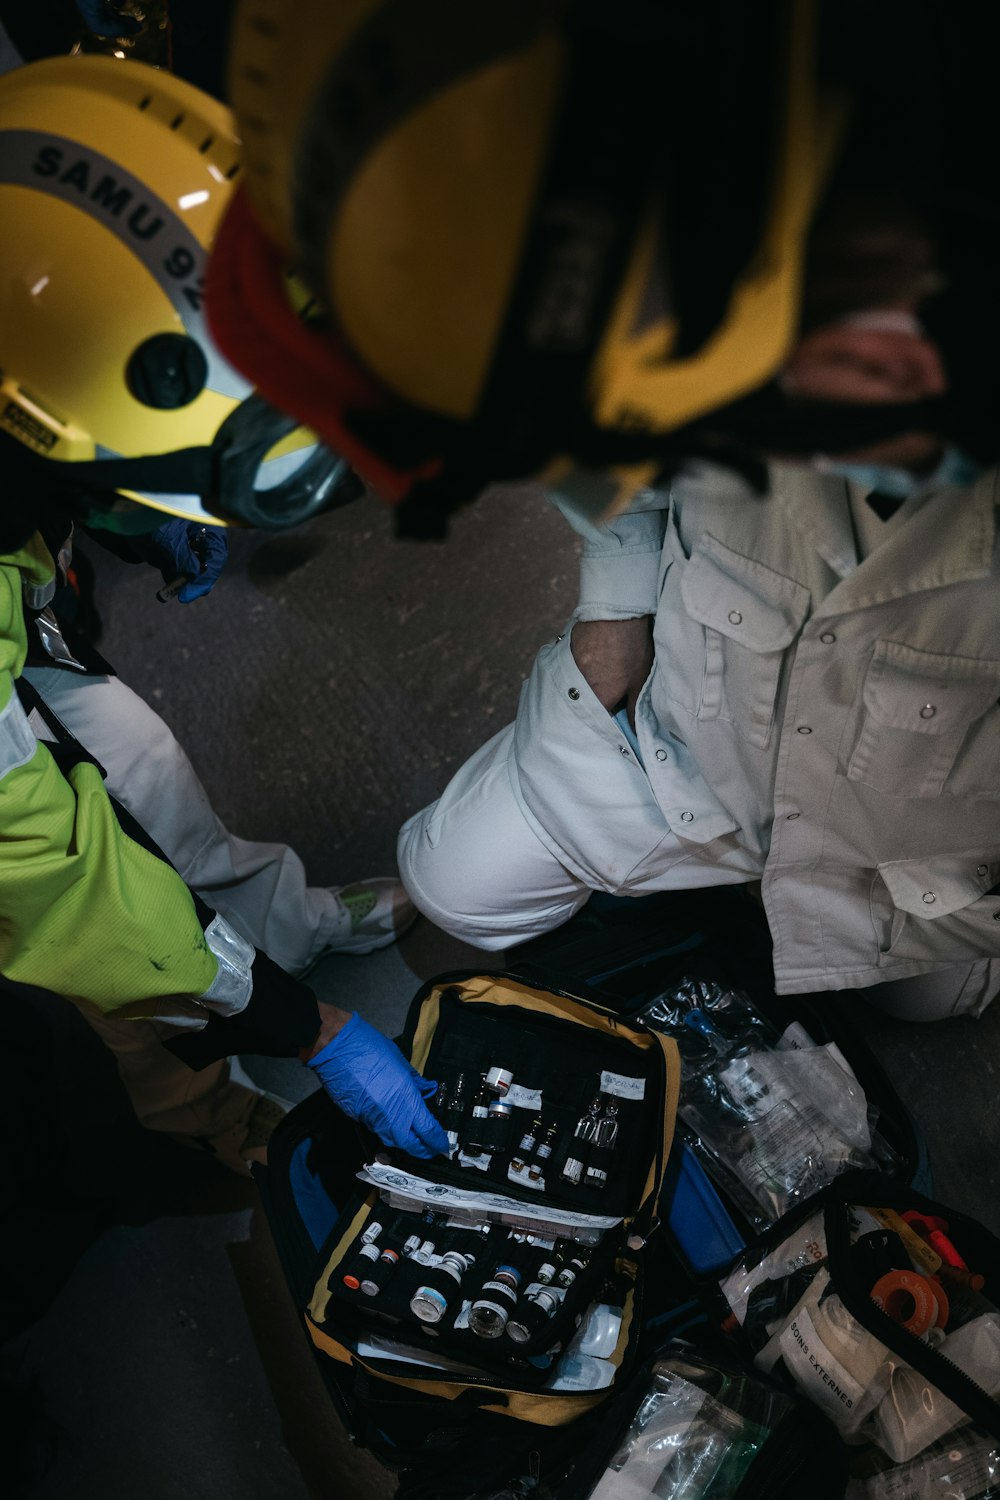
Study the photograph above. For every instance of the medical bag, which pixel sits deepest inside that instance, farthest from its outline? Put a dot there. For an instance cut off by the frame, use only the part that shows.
(563, 1034)
(463, 1274)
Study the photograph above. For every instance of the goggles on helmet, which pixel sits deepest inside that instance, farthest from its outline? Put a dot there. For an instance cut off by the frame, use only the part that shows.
(113, 178)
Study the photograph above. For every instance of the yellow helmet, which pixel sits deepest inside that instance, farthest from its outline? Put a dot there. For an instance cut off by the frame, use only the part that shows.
(539, 227)
(113, 180)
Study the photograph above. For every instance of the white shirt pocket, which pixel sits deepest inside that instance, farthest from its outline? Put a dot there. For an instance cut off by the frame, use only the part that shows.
(940, 908)
(724, 626)
(919, 709)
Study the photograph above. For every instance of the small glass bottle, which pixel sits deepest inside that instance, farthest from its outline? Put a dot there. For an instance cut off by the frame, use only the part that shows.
(586, 1129)
(360, 1264)
(498, 1124)
(604, 1142)
(499, 1080)
(476, 1145)
(457, 1097)
(531, 1315)
(380, 1272)
(571, 1270)
(529, 1139)
(496, 1301)
(430, 1301)
(452, 1112)
(545, 1146)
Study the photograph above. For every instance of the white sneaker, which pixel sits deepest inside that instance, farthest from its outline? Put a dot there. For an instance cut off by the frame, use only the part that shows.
(375, 913)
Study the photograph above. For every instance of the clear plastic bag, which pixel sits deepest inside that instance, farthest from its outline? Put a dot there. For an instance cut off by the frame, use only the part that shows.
(965, 1467)
(795, 1320)
(773, 1117)
(685, 1444)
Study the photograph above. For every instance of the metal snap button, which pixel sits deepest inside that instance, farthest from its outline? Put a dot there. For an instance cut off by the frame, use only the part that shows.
(735, 618)
(558, 639)
(928, 897)
(803, 729)
(661, 755)
(982, 869)
(928, 711)
(687, 817)
(623, 749)
(828, 638)
(574, 693)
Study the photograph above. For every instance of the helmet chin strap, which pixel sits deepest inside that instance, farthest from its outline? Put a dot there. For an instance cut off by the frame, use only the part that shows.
(221, 474)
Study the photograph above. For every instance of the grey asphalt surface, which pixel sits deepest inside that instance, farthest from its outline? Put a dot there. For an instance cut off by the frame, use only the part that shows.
(325, 690)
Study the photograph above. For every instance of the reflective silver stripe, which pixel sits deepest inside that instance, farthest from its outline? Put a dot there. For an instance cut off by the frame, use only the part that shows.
(230, 990)
(150, 228)
(17, 743)
(172, 1012)
(38, 595)
(51, 636)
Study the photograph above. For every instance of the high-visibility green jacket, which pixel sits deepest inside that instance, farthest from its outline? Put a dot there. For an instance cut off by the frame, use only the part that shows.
(84, 910)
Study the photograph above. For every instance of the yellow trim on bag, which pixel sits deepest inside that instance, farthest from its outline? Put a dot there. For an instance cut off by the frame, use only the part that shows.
(321, 1296)
(544, 1408)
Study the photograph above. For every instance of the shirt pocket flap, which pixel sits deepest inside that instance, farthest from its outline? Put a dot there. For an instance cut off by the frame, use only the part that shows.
(740, 598)
(928, 693)
(946, 883)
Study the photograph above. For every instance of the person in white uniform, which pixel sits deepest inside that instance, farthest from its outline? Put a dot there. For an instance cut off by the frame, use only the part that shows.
(805, 694)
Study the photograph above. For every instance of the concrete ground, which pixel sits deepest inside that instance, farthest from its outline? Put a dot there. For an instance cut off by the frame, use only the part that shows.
(325, 690)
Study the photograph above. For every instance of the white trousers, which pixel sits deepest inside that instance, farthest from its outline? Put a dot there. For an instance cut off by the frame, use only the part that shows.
(473, 864)
(260, 888)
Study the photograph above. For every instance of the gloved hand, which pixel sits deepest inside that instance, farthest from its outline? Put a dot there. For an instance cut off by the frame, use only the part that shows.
(187, 549)
(368, 1077)
(103, 20)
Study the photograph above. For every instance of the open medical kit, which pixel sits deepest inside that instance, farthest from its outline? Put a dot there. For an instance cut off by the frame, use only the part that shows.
(480, 1269)
(606, 1239)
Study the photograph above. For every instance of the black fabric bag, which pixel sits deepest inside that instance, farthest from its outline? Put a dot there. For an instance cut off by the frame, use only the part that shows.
(468, 1442)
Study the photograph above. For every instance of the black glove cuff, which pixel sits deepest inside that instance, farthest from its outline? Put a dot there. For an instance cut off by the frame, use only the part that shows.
(281, 1018)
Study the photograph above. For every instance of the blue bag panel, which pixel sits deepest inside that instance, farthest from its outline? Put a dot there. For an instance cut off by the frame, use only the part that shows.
(695, 1214)
(317, 1209)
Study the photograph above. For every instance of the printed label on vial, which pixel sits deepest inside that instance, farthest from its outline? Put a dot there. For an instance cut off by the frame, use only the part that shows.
(622, 1087)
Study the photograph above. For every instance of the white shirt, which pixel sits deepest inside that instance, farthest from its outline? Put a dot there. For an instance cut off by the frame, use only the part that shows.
(825, 722)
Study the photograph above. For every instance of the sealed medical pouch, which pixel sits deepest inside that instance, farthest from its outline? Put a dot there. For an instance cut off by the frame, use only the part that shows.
(779, 1094)
(882, 1307)
(776, 1102)
(695, 1424)
(467, 1279)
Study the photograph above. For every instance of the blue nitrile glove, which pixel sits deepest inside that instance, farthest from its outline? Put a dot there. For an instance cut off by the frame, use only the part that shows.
(103, 20)
(186, 549)
(368, 1077)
